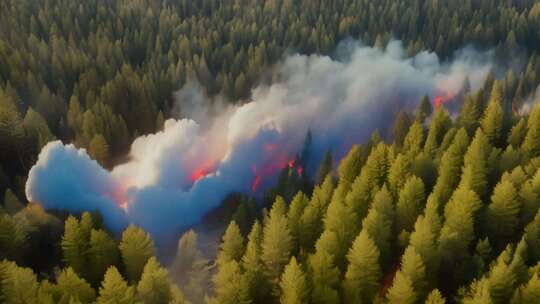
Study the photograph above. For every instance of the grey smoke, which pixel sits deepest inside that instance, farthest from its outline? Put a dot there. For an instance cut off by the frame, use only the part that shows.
(340, 100)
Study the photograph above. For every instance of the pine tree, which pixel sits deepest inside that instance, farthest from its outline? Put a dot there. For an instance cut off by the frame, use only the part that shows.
(518, 133)
(398, 173)
(73, 288)
(231, 286)
(414, 140)
(363, 272)
(529, 293)
(114, 289)
(348, 169)
(136, 248)
(531, 142)
(154, 286)
(102, 253)
(401, 127)
(503, 212)
(296, 209)
(232, 245)
(501, 281)
(99, 149)
(75, 244)
(325, 168)
(252, 265)
(343, 222)
(276, 245)
(379, 223)
(17, 285)
(492, 120)
(294, 287)
(458, 230)
(414, 268)
(410, 203)
(470, 114)
(450, 166)
(435, 297)
(475, 160)
(402, 291)
(423, 110)
(325, 278)
(439, 125)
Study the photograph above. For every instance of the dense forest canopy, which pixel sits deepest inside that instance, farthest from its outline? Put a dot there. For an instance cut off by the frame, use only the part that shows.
(444, 211)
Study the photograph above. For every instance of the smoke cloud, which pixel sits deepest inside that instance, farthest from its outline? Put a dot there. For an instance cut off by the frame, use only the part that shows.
(177, 175)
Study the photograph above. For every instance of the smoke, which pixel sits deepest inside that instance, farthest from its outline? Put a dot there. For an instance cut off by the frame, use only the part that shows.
(177, 175)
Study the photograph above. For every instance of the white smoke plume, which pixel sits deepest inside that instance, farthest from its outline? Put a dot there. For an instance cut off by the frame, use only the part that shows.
(177, 175)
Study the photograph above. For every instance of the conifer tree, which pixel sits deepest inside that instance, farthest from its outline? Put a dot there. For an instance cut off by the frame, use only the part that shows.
(423, 110)
(528, 293)
(348, 169)
(230, 284)
(154, 286)
(17, 284)
(410, 203)
(343, 222)
(401, 127)
(414, 268)
(503, 211)
(294, 287)
(74, 246)
(492, 120)
(232, 245)
(325, 168)
(501, 281)
(531, 142)
(402, 290)
(517, 133)
(379, 223)
(363, 272)
(414, 140)
(398, 173)
(439, 125)
(102, 253)
(311, 221)
(470, 114)
(435, 297)
(73, 288)
(475, 160)
(325, 277)
(276, 245)
(252, 265)
(114, 289)
(136, 248)
(296, 209)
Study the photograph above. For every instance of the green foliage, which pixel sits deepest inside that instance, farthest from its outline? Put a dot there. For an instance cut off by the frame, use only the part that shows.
(154, 286)
(363, 272)
(276, 244)
(409, 205)
(294, 287)
(232, 245)
(136, 248)
(114, 289)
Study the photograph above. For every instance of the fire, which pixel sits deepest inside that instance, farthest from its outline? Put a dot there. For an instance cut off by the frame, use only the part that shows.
(442, 98)
(273, 167)
(203, 170)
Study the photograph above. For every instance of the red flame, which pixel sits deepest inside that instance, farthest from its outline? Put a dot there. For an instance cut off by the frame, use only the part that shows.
(442, 98)
(202, 171)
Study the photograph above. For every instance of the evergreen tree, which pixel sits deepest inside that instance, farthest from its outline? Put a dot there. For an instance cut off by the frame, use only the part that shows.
(401, 127)
(72, 288)
(99, 149)
(296, 209)
(423, 110)
(492, 120)
(410, 203)
(276, 244)
(363, 272)
(325, 278)
(294, 287)
(325, 168)
(252, 265)
(114, 289)
(415, 139)
(74, 246)
(102, 253)
(232, 245)
(435, 297)
(136, 248)
(503, 212)
(154, 286)
(231, 285)
(402, 290)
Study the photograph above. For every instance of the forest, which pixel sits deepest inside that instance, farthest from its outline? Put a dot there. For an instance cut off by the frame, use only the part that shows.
(444, 210)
